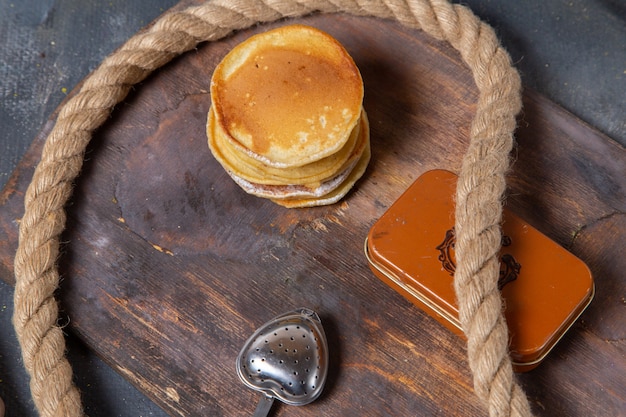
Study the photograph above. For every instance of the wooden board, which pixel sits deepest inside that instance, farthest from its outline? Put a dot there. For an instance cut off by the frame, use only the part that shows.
(169, 266)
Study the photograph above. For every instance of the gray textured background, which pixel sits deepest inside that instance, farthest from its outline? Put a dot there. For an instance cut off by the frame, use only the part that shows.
(572, 51)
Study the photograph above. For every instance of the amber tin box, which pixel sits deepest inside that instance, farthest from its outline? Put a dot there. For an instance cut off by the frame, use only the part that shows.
(544, 287)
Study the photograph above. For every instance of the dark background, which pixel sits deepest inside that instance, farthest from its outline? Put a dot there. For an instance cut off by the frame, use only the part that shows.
(572, 51)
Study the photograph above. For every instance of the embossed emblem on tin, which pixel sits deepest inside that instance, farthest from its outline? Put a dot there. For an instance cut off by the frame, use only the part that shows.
(446, 252)
(509, 267)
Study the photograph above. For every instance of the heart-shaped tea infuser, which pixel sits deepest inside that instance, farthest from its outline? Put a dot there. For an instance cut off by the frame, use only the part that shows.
(286, 358)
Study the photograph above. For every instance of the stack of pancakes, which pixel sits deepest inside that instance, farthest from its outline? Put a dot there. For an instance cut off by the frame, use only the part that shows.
(286, 119)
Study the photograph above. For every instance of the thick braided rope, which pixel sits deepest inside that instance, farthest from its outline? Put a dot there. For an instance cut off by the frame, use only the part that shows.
(480, 187)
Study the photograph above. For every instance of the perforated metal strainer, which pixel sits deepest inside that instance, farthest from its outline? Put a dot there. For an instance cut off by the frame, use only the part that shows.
(287, 358)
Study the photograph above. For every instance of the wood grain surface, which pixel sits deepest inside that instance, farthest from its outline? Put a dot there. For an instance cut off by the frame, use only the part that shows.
(168, 266)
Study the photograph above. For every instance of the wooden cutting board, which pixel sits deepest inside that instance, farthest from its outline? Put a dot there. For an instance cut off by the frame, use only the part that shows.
(169, 266)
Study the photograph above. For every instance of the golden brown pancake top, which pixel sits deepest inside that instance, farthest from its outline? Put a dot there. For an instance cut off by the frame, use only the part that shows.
(290, 98)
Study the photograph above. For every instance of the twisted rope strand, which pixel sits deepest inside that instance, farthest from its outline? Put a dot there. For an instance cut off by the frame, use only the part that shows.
(480, 186)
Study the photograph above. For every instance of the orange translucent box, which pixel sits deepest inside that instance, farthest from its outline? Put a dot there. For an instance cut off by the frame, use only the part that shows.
(544, 287)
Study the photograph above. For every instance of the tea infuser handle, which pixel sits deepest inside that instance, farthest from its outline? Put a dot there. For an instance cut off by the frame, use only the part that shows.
(264, 406)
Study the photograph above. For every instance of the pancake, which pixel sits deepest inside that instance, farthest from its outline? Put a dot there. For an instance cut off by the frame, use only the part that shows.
(290, 96)
(286, 120)
(307, 195)
(249, 169)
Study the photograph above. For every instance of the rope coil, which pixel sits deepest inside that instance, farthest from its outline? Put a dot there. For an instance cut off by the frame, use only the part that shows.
(480, 187)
